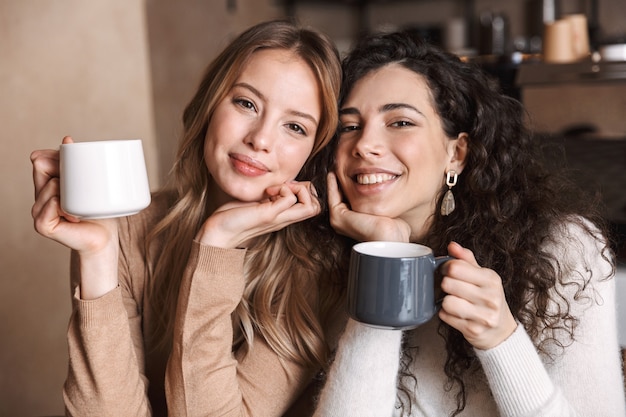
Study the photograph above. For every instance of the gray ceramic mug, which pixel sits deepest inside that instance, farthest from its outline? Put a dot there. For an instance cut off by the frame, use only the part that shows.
(391, 285)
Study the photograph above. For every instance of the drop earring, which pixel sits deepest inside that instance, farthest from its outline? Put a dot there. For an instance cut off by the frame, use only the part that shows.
(448, 205)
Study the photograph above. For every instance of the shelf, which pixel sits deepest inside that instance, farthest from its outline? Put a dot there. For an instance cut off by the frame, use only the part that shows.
(578, 72)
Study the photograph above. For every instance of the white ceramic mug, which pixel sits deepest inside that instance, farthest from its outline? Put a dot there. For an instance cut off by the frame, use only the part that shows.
(103, 179)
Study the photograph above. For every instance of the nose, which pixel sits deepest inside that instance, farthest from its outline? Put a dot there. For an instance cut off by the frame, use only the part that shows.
(369, 143)
(261, 137)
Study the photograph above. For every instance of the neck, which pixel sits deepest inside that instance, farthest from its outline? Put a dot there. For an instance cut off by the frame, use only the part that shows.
(216, 197)
(420, 231)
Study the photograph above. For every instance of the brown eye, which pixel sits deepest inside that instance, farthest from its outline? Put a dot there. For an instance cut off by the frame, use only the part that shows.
(402, 123)
(246, 104)
(348, 128)
(297, 128)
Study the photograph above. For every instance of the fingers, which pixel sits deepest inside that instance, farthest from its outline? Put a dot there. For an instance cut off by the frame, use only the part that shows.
(334, 194)
(46, 182)
(463, 278)
(44, 215)
(485, 312)
(301, 191)
(459, 252)
(475, 302)
(45, 167)
(465, 265)
(336, 206)
(292, 203)
(306, 204)
(48, 192)
(46, 210)
(295, 196)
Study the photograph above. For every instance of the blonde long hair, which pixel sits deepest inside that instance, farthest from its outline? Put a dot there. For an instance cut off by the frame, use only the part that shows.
(282, 267)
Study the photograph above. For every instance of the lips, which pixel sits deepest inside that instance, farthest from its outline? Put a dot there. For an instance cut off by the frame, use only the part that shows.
(248, 166)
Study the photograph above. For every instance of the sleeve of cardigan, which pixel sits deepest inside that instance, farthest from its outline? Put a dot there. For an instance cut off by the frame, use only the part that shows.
(204, 377)
(362, 379)
(106, 371)
(584, 378)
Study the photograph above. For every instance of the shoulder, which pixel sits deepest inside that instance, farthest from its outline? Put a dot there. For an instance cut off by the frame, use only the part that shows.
(577, 243)
(584, 294)
(584, 263)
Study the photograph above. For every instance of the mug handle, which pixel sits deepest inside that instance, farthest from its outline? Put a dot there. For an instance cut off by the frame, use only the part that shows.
(440, 260)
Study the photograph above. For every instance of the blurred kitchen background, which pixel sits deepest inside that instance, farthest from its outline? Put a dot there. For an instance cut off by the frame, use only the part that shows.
(112, 69)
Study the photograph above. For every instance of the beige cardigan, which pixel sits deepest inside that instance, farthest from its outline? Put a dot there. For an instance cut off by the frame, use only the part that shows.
(113, 371)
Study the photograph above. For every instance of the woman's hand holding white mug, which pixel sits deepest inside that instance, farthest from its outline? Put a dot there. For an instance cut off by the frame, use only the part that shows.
(95, 242)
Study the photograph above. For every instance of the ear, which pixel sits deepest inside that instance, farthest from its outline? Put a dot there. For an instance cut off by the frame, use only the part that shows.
(457, 149)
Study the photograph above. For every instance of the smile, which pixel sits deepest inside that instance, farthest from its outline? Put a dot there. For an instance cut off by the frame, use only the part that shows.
(367, 179)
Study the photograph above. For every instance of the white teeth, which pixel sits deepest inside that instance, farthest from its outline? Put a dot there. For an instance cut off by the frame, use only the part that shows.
(367, 179)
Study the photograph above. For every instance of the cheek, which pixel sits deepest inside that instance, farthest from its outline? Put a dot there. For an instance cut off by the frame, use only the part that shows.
(293, 158)
(341, 165)
(341, 155)
(212, 133)
(209, 145)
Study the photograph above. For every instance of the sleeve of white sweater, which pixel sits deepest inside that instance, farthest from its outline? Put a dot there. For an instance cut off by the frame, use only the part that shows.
(519, 381)
(585, 377)
(370, 356)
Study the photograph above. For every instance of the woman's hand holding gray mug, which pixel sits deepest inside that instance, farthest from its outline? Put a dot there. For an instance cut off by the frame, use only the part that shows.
(391, 285)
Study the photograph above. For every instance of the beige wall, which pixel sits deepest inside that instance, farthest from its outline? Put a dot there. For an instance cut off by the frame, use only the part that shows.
(83, 68)
(66, 67)
(105, 69)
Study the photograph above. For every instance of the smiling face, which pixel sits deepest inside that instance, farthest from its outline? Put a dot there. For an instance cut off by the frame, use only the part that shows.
(393, 154)
(263, 131)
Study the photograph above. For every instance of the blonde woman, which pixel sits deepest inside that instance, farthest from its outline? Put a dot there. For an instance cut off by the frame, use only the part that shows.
(214, 299)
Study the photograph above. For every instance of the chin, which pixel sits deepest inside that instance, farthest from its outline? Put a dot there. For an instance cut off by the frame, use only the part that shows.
(377, 209)
(248, 198)
(245, 195)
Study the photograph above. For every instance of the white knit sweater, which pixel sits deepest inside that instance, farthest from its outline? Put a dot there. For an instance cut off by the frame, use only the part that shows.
(584, 379)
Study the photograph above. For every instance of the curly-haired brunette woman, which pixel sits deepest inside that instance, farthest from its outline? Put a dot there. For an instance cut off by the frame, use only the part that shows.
(430, 151)
(215, 298)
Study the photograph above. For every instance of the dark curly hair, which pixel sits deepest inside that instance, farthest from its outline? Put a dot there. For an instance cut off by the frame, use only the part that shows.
(507, 203)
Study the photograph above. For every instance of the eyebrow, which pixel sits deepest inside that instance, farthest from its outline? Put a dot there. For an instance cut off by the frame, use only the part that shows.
(382, 109)
(264, 98)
